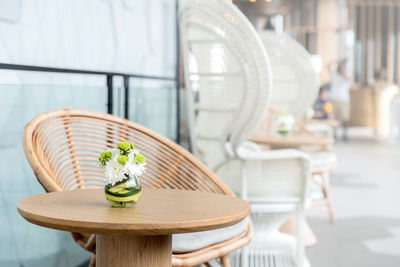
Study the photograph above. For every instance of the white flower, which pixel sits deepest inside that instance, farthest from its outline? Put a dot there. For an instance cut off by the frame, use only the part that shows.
(133, 168)
(115, 172)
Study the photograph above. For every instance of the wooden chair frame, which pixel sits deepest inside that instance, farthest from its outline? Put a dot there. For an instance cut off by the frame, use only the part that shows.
(325, 204)
(53, 144)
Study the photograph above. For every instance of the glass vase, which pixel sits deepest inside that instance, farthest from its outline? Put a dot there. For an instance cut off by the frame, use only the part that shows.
(283, 132)
(125, 193)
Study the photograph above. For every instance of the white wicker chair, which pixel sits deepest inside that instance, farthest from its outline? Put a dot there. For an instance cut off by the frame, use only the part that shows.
(294, 79)
(228, 81)
(295, 83)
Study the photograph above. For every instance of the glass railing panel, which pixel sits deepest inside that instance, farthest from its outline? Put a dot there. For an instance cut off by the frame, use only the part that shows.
(22, 243)
(153, 104)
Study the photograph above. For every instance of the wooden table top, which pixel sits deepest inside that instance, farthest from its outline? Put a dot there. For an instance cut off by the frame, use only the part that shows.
(158, 212)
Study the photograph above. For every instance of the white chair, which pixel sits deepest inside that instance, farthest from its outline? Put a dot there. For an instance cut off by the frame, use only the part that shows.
(294, 78)
(228, 81)
(295, 82)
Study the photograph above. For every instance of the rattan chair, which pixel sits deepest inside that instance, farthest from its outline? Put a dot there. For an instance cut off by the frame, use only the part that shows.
(63, 146)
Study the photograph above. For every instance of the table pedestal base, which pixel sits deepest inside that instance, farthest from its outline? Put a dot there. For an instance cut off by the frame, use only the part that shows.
(131, 250)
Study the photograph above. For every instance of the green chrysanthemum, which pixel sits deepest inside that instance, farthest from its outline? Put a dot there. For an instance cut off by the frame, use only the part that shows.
(140, 158)
(122, 160)
(105, 156)
(124, 146)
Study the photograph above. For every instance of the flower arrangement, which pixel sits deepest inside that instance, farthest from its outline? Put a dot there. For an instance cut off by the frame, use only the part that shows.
(308, 114)
(284, 124)
(122, 167)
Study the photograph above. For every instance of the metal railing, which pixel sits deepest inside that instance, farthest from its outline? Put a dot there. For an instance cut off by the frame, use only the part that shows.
(109, 83)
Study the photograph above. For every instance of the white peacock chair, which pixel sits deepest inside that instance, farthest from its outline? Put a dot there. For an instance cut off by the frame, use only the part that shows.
(296, 84)
(294, 78)
(228, 81)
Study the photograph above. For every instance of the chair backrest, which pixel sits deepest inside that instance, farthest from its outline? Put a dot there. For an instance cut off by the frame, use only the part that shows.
(294, 78)
(227, 76)
(63, 147)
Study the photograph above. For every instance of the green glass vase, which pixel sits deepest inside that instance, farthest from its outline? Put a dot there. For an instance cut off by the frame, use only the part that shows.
(125, 193)
(283, 132)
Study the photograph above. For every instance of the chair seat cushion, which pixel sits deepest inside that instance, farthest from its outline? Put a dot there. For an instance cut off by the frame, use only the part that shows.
(182, 243)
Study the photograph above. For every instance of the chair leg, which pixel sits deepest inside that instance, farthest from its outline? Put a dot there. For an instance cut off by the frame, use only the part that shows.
(93, 261)
(225, 262)
(327, 195)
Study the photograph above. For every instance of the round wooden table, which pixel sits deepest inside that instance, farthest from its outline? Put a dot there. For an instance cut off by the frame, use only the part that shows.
(137, 236)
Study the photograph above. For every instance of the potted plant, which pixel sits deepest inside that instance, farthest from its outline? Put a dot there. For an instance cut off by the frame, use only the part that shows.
(122, 166)
(284, 124)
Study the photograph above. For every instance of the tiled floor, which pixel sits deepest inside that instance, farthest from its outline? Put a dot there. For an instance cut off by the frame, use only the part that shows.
(366, 194)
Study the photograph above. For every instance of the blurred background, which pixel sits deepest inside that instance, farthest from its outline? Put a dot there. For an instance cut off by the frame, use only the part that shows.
(122, 57)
